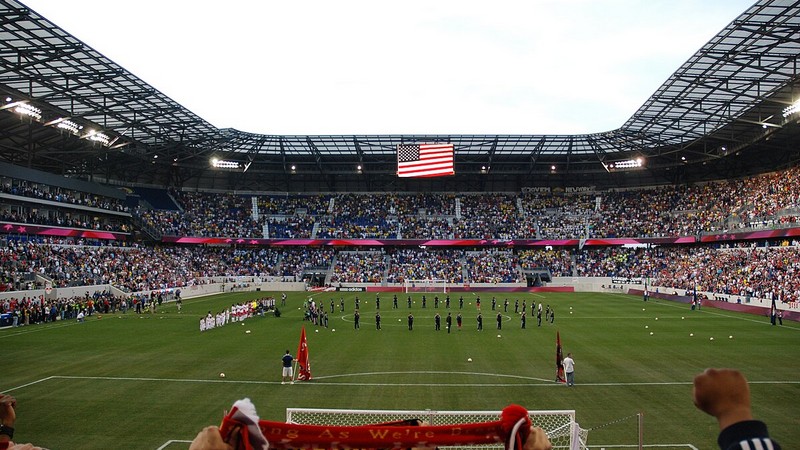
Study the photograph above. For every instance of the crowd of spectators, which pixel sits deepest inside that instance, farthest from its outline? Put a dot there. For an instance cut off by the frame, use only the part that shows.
(768, 200)
(557, 261)
(59, 218)
(291, 227)
(753, 270)
(493, 267)
(425, 264)
(43, 191)
(358, 267)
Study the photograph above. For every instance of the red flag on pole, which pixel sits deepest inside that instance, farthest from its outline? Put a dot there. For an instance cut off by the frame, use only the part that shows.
(559, 360)
(303, 364)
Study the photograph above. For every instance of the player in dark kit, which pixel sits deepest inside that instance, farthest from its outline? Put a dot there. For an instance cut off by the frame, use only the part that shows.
(480, 322)
(499, 321)
(410, 322)
(356, 319)
(378, 321)
(437, 319)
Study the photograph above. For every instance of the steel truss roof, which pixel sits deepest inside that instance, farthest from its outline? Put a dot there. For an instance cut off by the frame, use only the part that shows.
(716, 115)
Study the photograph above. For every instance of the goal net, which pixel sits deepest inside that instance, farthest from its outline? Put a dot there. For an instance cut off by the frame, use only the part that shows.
(561, 428)
(425, 286)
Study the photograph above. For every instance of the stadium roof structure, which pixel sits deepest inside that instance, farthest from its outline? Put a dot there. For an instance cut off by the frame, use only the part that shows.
(67, 109)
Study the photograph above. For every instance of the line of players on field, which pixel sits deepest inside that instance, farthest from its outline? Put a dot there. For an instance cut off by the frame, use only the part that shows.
(237, 313)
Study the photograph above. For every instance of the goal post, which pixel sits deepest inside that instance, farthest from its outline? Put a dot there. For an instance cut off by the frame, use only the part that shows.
(561, 427)
(425, 285)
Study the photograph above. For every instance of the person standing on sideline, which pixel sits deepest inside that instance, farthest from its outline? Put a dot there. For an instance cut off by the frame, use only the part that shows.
(377, 320)
(287, 368)
(569, 369)
(356, 320)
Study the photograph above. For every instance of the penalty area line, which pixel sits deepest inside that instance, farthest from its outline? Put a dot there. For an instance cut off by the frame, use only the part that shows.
(27, 384)
(610, 446)
(173, 441)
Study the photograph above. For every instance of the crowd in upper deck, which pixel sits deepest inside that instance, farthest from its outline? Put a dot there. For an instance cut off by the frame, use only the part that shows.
(769, 200)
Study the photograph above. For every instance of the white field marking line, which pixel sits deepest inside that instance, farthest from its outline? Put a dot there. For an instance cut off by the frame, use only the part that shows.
(704, 311)
(27, 329)
(434, 372)
(173, 441)
(26, 385)
(690, 446)
(541, 382)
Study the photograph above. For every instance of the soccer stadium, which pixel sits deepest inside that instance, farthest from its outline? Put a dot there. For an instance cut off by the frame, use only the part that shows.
(157, 268)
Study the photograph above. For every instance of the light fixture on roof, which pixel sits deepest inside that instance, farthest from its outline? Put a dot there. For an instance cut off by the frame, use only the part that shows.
(791, 109)
(28, 110)
(99, 137)
(223, 164)
(625, 164)
(69, 125)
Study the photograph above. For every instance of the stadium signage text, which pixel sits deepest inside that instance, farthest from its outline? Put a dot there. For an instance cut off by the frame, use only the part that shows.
(626, 281)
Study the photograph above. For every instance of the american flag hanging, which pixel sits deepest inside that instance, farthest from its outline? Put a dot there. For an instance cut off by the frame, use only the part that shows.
(424, 160)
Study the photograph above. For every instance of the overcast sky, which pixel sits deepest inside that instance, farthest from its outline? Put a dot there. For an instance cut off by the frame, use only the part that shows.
(400, 67)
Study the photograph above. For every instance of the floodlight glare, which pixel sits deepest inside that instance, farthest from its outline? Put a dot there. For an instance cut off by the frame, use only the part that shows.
(69, 125)
(99, 137)
(28, 110)
(793, 108)
(222, 164)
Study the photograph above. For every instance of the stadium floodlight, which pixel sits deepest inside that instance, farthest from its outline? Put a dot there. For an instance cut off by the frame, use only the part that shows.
(97, 136)
(791, 109)
(625, 164)
(223, 164)
(28, 110)
(69, 125)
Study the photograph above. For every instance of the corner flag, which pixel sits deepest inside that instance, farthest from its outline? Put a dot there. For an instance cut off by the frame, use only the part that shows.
(303, 364)
(559, 360)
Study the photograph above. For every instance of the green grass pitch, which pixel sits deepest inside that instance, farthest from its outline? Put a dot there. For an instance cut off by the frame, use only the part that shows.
(151, 381)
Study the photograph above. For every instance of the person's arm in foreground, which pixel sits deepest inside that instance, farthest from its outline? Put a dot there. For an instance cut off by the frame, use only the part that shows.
(724, 394)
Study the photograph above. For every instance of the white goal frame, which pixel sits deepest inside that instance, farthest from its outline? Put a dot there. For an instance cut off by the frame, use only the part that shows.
(426, 285)
(560, 425)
